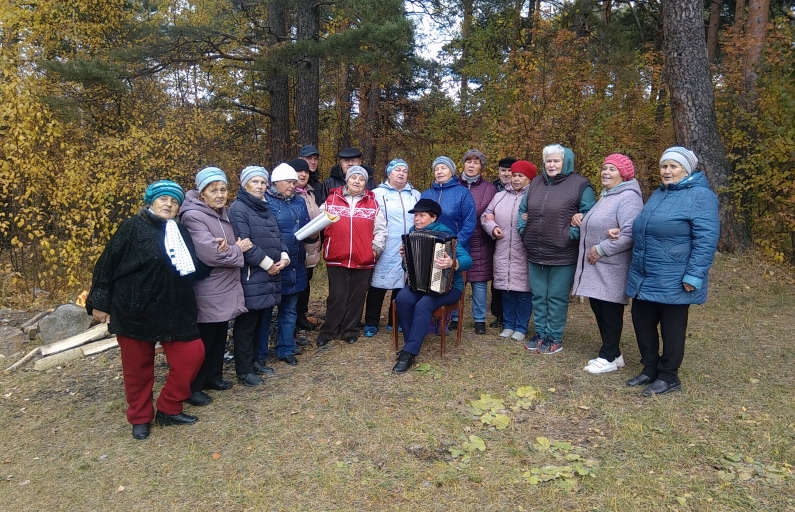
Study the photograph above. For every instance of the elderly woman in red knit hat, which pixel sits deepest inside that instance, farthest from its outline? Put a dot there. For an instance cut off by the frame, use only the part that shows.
(603, 262)
(511, 280)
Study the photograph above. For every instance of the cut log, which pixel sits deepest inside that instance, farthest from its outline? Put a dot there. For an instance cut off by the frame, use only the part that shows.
(31, 331)
(46, 363)
(74, 353)
(99, 346)
(97, 332)
(35, 319)
(24, 360)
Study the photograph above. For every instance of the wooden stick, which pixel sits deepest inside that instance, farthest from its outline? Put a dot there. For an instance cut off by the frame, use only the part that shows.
(54, 360)
(99, 346)
(36, 318)
(22, 361)
(95, 333)
(74, 353)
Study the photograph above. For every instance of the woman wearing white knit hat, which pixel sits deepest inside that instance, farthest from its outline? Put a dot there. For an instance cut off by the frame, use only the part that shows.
(675, 236)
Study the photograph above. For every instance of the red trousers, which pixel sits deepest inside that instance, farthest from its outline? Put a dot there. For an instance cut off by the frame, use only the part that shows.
(138, 367)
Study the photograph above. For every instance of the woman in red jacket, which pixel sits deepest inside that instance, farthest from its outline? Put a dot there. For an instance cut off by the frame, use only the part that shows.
(350, 248)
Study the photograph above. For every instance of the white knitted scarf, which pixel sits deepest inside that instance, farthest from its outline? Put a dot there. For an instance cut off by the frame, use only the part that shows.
(177, 250)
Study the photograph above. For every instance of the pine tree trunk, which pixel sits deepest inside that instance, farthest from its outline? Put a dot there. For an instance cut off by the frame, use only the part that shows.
(739, 14)
(279, 88)
(466, 33)
(693, 108)
(307, 94)
(712, 30)
(755, 36)
(369, 108)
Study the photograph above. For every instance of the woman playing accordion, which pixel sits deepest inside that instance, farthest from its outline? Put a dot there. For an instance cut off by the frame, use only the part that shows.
(415, 308)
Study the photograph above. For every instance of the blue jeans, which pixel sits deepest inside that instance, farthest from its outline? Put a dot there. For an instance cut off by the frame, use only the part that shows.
(516, 309)
(285, 342)
(414, 310)
(480, 298)
(264, 333)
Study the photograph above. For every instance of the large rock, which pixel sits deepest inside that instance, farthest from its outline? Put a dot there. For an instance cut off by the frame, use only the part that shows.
(12, 340)
(65, 321)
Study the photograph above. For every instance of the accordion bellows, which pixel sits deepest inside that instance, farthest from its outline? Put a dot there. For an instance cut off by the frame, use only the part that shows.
(421, 249)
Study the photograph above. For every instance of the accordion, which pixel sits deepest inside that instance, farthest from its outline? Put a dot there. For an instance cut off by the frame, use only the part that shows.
(421, 249)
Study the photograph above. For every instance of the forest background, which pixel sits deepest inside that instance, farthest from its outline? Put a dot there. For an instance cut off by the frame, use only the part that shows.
(100, 97)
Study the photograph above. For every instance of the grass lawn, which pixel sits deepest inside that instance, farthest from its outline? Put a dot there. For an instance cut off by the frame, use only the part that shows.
(341, 432)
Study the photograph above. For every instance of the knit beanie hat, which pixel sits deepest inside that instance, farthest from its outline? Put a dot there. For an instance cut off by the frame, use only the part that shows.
(623, 164)
(209, 175)
(474, 152)
(524, 167)
(683, 156)
(250, 172)
(283, 172)
(164, 188)
(397, 162)
(357, 169)
(443, 160)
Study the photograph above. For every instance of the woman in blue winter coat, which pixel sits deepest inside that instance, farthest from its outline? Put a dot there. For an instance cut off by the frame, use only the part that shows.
(291, 214)
(459, 211)
(676, 236)
(253, 219)
(396, 197)
(458, 208)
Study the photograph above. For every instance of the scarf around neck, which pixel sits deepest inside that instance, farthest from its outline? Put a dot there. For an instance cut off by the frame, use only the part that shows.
(176, 249)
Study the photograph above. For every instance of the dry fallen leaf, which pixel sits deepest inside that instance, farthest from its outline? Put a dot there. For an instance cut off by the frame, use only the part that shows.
(216, 456)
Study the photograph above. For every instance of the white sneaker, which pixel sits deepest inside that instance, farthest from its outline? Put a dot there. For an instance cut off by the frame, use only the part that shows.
(619, 361)
(506, 333)
(600, 365)
(518, 336)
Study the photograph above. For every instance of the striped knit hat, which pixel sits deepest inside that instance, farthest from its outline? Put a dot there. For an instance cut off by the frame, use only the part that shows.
(683, 156)
(164, 188)
(397, 162)
(252, 171)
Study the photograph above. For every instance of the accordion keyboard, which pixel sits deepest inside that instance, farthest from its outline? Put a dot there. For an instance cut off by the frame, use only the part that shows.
(436, 274)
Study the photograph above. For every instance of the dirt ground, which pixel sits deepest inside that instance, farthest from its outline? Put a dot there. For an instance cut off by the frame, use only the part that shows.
(340, 431)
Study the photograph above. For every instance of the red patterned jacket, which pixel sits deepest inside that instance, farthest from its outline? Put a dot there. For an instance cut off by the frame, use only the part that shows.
(360, 232)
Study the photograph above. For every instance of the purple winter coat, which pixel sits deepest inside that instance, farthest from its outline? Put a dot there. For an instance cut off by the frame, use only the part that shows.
(481, 245)
(607, 278)
(510, 256)
(219, 296)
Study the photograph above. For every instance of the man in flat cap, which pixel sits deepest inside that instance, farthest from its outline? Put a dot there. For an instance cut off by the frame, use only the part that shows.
(504, 173)
(311, 156)
(348, 158)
